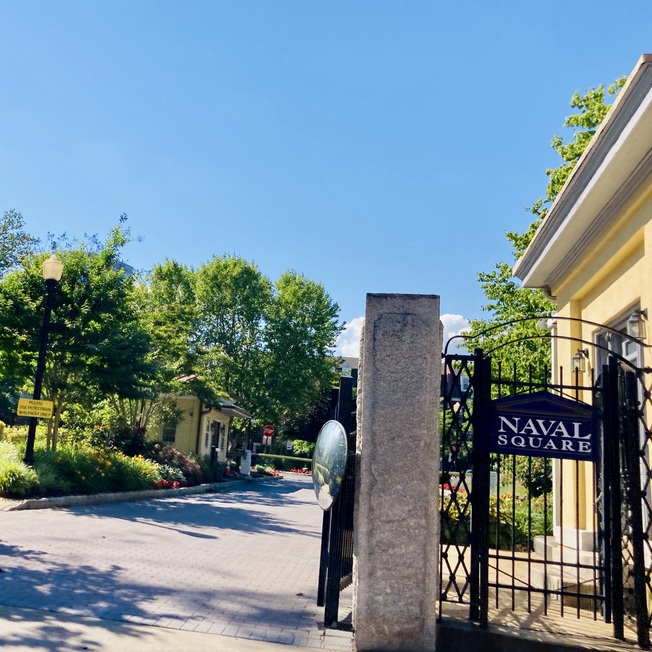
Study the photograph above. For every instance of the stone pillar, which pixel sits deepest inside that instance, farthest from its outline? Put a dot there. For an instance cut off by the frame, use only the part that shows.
(396, 532)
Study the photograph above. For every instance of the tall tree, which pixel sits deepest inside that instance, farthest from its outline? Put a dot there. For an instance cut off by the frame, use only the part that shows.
(302, 325)
(268, 345)
(508, 301)
(97, 345)
(15, 242)
(166, 298)
(232, 296)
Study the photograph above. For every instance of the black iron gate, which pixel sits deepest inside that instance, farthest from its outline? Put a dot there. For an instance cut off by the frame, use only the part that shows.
(336, 562)
(510, 538)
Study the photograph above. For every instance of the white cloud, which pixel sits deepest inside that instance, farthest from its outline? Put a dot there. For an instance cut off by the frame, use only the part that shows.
(453, 325)
(348, 343)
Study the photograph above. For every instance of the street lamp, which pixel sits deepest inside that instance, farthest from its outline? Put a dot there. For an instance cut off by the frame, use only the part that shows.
(51, 269)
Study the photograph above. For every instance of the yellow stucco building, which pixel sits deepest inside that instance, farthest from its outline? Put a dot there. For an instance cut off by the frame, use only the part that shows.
(200, 427)
(593, 256)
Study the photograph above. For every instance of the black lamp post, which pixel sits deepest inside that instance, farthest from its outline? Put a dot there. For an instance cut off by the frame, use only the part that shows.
(51, 269)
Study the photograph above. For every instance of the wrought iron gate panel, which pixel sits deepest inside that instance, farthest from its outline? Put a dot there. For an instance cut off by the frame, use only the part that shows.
(486, 561)
(599, 569)
(632, 520)
(456, 570)
(529, 568)
(336, 561)
(643, 412)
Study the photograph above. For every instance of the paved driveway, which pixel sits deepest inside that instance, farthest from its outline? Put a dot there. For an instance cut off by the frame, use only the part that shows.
(241, 564)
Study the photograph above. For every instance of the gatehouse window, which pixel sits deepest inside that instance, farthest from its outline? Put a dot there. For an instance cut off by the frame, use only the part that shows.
(169, 434)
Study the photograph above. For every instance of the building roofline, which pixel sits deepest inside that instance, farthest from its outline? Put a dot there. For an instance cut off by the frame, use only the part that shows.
(619, 159)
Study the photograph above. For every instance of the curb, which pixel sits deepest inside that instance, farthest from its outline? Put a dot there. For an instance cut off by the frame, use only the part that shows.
(125, 496)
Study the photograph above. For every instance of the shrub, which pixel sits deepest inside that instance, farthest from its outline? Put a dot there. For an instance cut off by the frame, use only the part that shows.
(52, 482)
(137, 473)
(128, 439)
(169, 473)
(169, 456)
(533, 473)
(82, 469)
(455, 518)
(302, 447)
(16, 479)
(514, 520)
(208, 473)
(15, 434)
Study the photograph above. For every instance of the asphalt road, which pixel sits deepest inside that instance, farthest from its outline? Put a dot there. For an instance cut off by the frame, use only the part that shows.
(241, 564)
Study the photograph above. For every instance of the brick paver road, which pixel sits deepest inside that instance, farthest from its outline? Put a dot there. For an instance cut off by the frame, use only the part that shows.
(242, 563)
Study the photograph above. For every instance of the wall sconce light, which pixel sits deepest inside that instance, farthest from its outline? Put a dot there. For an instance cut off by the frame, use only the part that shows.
(579, 360)
(636, 325)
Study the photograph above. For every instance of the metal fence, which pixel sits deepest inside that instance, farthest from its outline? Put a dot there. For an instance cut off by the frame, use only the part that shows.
(509, 541)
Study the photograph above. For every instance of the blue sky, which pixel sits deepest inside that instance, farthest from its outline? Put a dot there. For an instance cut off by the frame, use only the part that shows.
(373, 145)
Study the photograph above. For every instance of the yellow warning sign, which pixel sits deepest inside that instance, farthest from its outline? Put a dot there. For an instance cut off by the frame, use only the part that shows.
(28, 407)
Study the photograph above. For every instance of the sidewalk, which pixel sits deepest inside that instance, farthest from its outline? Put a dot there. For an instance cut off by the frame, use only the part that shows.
(28, 629)
(229, 570)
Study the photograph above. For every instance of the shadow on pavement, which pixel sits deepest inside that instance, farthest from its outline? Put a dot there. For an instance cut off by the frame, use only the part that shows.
(29, 629)
(274, 602)
(203, 515)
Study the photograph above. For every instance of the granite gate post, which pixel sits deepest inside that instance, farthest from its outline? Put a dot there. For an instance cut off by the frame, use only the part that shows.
(396, 532)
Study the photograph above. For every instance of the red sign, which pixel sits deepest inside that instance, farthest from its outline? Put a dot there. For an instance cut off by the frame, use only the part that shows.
(268, 431)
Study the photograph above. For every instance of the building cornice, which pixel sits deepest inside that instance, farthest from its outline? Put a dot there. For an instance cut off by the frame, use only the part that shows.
(613, 166)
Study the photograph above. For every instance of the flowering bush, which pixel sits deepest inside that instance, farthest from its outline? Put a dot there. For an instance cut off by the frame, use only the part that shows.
(169, 473)
(266, 470)
(171, 457)
(83, 469)
(166, 484)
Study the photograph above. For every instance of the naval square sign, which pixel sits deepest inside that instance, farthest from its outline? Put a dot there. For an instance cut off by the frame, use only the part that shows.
(543, 425)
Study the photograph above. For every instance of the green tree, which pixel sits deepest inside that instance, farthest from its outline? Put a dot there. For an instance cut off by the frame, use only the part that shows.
(232, 297)
(170, 311)
(268, 345)
(15, 242)
(508, 301)
(301, 329)
(97, 345)
(170, 315)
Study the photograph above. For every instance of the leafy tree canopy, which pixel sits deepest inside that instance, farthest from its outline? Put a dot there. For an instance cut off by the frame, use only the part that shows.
(508, 301)
(97, 343)
(268, 344)
(302, 325)
(122, 345)
(15, 242)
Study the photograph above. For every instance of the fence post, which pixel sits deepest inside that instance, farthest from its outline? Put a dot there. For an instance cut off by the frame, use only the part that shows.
(481, 420)
(632, 449)
(612, 477)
